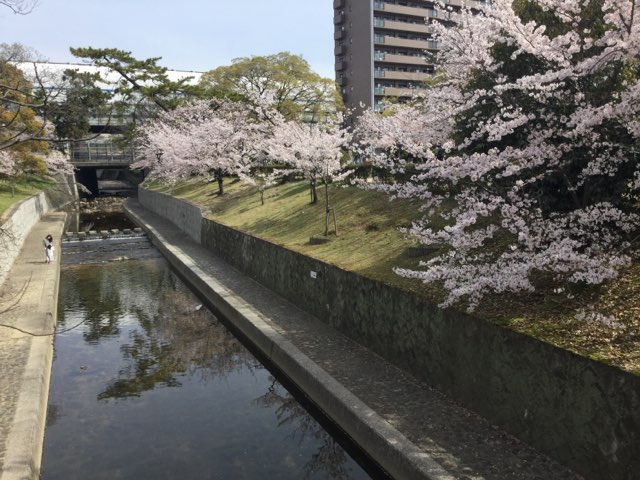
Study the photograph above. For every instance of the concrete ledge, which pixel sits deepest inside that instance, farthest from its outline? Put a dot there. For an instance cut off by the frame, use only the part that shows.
(399, 456)
(25, 442)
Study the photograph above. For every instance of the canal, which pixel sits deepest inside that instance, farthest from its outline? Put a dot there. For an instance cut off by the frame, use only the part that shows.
(148, 384)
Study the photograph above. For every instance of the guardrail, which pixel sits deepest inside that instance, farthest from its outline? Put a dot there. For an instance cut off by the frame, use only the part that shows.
(100, 154)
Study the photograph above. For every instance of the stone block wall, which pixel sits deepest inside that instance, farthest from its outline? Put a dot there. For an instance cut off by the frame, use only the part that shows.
(185, 215)
(581, 412)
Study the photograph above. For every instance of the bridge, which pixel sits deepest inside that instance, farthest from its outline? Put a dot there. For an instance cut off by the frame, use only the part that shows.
(101, 153)
(102, 163)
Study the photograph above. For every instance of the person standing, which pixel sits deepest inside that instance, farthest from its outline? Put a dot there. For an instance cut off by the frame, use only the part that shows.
(48, 248)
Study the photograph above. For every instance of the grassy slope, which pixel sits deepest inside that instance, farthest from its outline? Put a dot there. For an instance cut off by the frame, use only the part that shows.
(370, 243)
(23, 188)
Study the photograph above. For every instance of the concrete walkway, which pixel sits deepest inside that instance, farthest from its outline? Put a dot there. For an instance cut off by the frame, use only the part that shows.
(28, 305)
(412, 430)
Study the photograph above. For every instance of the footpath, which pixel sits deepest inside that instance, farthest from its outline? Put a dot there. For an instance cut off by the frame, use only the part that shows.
(28, 307)
(410, 429)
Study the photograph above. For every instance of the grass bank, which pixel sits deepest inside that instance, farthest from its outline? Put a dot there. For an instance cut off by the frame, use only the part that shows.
(370, 243)
(21, 189)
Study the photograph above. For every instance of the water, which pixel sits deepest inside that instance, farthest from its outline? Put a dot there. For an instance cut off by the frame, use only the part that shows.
(150, 385)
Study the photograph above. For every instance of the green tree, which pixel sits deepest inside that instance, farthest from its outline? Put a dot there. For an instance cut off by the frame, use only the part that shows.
(26, 136)
(143, 84)
(82, 98)
(299, 92)
(22, 131)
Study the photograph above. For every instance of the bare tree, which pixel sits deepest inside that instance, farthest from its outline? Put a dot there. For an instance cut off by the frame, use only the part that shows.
(20, 7)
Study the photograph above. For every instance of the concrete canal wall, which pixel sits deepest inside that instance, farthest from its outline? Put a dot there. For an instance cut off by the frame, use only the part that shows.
(17, 222)
(581, 412)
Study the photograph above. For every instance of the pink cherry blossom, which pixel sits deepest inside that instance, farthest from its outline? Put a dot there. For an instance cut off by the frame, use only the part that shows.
(536, 170)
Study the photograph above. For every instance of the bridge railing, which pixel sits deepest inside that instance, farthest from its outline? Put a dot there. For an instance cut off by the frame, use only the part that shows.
(88, 153)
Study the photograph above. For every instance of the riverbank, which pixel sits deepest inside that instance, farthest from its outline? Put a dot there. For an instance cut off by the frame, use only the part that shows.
(598, 322)
(582, 412)
(28, 310)
(411, 429)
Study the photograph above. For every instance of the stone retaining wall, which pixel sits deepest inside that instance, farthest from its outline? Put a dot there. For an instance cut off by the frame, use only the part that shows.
(17, 222)
(185, 215)
(581, 412)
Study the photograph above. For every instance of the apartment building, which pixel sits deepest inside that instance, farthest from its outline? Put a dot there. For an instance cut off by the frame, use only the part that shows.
(382, 48)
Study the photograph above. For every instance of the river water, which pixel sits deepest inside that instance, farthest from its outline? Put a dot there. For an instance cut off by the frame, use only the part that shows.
(148, 384)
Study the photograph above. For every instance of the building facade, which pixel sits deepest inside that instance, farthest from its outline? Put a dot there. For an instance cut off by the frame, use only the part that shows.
(383, 48)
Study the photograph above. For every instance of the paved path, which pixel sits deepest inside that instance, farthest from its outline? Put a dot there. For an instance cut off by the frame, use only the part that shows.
(408, 427)
(28, 303)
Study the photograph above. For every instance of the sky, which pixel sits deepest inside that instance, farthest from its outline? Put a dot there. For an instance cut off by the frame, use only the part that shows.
(193, 35)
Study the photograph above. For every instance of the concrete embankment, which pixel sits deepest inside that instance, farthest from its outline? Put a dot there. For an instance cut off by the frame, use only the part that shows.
(581, 412)
(409, 428)
(16, 223)
(28, 309)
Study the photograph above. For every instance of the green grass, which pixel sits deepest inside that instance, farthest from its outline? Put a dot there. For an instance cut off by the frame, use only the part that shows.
(370, 243)
(23, 188)
(287, 218)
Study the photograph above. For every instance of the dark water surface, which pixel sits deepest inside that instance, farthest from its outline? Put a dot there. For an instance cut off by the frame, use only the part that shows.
(151, 386)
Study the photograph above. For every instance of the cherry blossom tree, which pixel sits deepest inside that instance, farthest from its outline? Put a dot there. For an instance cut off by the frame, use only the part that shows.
(313, 151)
(15, 163)
(6, 163)
(525, 150)
(208, 137)
(57, 162)
(263, 180)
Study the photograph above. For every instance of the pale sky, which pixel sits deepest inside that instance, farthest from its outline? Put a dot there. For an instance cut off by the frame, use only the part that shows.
(195, 35)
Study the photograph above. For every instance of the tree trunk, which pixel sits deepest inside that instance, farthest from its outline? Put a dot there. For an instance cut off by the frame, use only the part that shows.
(220, 180)
(328, 211)
(314, 193)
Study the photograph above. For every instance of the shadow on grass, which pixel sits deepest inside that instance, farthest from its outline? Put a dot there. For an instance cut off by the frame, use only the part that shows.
(295, 227)
(291, 190)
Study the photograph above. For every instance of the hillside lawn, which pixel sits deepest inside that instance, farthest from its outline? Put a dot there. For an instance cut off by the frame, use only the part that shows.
(23, 188)
(370, 242)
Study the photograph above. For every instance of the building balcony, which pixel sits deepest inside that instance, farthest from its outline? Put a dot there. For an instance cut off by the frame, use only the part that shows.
(338, 3)
(338, 34)
(339, 50)
(401, 42)
(404, 26)
(424, 11)
(412, 76)
(338, 18)
(401, 92)
(340, 65)
(400, 9)
(400, 59)
(468, 3)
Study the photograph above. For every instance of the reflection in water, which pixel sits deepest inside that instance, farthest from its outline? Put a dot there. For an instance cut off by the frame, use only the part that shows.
(330, 457)
(151, 385)
(179, 337)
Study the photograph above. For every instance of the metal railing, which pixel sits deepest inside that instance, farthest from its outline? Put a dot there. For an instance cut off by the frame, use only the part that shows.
(100, 154)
